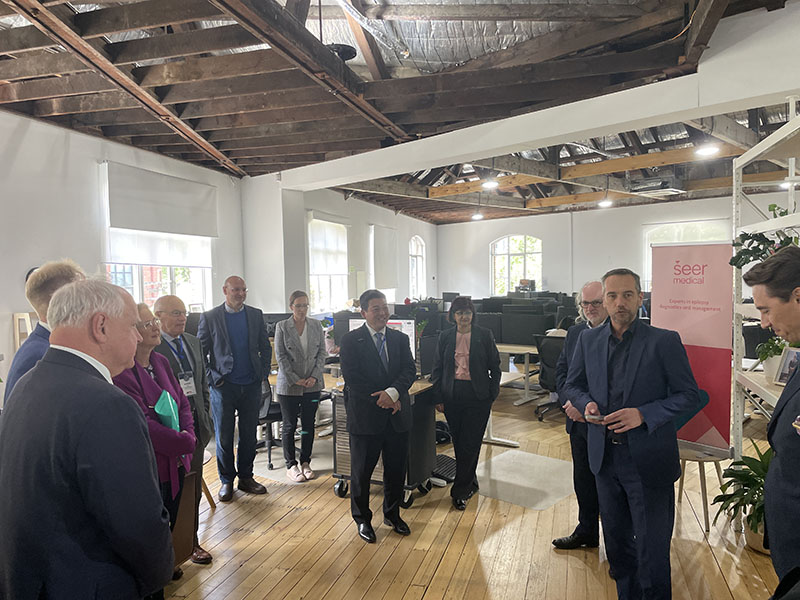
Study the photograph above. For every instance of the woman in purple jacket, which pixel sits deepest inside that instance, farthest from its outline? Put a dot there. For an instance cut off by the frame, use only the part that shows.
(145, 382)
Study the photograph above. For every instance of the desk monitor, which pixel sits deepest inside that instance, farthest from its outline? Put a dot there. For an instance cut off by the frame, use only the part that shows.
(449, 296)
(427, 350)
(272, 319)
(404, 325)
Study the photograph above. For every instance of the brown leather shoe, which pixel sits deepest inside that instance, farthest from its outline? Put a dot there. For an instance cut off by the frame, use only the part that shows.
(226, 492)
(200, 556)
(251, 486)
(177, 574)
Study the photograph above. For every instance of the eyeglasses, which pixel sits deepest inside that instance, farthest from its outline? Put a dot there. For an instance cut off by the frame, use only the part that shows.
(175, 313)
(299, 305)
(595, 303)
(151, 324)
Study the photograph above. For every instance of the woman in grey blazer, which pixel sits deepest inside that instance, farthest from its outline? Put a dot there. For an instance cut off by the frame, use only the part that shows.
(300, 352)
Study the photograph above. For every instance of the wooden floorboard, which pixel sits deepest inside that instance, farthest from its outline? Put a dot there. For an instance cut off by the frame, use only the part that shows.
(299, 542)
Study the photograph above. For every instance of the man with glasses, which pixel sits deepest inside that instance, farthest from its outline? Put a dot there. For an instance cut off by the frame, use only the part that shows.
(238, 355)
(185, 356)
(587, 533)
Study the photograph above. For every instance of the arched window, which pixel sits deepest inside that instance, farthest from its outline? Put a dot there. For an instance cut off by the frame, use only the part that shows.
(416, 268)
(515, 257)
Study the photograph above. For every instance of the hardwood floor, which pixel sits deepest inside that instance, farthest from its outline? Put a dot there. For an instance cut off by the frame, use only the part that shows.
(300, 542)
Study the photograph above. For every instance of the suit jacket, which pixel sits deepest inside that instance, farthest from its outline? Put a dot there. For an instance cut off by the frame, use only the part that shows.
(484, 364)
(81, 511)
(782, 487)
(562, 366)
(213, 334)
(293, 363)
(169, 445)
(203, 425)
(30, 352)
(365, 374)
(658, 381)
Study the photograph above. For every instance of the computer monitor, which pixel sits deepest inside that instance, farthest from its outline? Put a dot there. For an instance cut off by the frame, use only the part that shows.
(427, 350)
(272, 319)
(404, 325)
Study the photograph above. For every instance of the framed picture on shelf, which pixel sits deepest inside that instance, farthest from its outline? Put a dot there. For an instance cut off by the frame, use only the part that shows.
(789, 361)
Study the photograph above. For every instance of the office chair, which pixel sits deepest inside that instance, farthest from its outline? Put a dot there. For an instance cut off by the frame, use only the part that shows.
(549, 350)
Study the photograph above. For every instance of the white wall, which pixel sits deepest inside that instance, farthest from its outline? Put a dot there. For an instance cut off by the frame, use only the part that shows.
(576, 247)
(51, 207)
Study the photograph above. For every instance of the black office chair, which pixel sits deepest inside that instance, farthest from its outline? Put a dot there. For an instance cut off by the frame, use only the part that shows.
(270, 413)
(549, 348)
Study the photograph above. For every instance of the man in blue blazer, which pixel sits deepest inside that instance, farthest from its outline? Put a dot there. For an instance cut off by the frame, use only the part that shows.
(39, 288)
(587, 533)
(776, 293)
(238, 356)
(630, 380)
(81, 512)
(378, 371)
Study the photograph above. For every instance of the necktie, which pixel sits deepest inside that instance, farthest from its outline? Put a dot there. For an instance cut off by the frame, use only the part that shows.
(382, 350)
(182, 358)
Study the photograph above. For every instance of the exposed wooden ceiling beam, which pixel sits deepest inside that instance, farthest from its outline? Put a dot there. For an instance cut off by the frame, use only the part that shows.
(310, 96)
(43, 64)
(367, 44)
(570, 68)
(704, 21)
(87, 103)
(298, 9)
(410, 190)
(47, 22)
(446, 115)
(318, 148)
(719, 183)
(52, 87)
(504, 183)
(572, 39)
(266, 20)
(245, 85)
(287, 141)
(273, 117)
(334, 126)
(575, 199)
(142, 15)
(644, 161)
(503, 12)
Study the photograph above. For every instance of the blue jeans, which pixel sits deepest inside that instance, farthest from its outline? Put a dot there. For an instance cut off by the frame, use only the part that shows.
(226, 401)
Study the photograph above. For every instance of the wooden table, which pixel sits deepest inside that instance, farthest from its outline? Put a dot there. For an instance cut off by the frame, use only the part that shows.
(508, 349)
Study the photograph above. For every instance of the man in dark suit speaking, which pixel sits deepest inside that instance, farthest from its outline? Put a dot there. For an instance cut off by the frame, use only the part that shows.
(631, 380)
(378, 371)
(81, 512)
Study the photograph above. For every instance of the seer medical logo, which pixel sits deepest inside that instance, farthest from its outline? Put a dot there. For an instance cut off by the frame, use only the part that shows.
(688, 274)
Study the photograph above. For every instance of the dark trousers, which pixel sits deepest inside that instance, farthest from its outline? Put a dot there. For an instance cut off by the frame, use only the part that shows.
(171, 504)
(584, 483)
(306, 407)
(364, 453)
(637, 527)
(467, 417)
(197, 467)
(226, 401)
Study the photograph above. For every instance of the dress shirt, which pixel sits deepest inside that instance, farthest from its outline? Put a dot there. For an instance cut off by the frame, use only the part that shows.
(174, 344)
(393, 393)
(462, 356)
(618, 351)
(231, 310)
(46, 326)
(89, 359)
(304, 340)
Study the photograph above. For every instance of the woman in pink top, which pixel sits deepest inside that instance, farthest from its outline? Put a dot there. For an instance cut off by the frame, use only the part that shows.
(466, 379)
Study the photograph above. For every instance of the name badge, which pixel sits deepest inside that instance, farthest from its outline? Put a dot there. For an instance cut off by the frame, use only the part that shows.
(186, 379)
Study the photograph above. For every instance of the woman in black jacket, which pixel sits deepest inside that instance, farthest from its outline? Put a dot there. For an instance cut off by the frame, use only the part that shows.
(466, 378)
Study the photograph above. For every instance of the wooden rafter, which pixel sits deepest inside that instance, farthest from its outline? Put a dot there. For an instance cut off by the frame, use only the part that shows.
(504, 183)
(367, 44)
(576, 199)
(704, 21)
(718, 183)
(298, 9)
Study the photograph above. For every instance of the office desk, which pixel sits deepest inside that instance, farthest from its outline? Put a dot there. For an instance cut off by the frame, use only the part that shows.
(508, 349)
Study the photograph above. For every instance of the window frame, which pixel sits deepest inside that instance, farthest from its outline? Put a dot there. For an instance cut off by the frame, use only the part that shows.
(417, 268)
(524, 254)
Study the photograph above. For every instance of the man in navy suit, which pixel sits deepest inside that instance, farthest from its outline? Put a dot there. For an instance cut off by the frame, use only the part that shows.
(587, 533)
(776, 293)
(378, 371)
(40, 286)
(630, 380)
(81, 509)
(238, 355)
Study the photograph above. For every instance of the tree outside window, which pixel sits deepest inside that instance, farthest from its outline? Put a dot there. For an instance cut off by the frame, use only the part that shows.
(515, 257)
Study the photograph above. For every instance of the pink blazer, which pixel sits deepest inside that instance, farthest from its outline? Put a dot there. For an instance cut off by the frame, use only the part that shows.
(170, 446)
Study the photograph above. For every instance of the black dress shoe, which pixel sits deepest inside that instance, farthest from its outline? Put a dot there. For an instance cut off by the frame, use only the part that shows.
(251, 486)
(366, 533)
(398, 525)
(226, 492)
(576, 540)
(459, 504)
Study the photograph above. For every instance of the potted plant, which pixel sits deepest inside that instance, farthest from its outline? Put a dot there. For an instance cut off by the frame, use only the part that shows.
(743, 494)
(751, 247)
(769, 354)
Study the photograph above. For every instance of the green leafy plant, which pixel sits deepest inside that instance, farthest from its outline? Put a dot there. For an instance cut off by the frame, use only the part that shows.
(753, 247)
(772, 347)
(743, 488)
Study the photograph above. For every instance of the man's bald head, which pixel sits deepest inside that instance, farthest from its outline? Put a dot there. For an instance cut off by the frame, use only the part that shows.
(235, 291)
(172, 312)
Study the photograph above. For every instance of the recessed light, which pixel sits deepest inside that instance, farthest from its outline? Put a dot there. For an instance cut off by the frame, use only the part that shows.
(467, 167)
(605, 203)
(477, 216)
(785, 185)
(707, 150)
(490, 184)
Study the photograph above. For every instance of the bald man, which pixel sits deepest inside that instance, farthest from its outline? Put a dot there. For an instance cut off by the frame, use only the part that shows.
(185, 355)
(238, 355)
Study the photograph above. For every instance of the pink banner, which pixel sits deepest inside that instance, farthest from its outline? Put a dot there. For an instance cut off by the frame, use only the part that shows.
(692, 295)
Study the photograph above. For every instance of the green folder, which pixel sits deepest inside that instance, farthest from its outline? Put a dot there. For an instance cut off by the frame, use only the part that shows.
(167, 410)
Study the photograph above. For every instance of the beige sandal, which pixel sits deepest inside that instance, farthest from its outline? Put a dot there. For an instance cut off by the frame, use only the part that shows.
(307, 472)
(294, 474)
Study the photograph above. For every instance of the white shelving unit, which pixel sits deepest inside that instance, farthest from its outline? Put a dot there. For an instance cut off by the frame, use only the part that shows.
(783, 145)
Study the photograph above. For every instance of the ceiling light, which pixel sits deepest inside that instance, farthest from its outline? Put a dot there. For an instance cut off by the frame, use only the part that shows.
(490, 184)
(605, 203)
(477, 216)
(707, 150)
(467, 167)
(785, 185)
